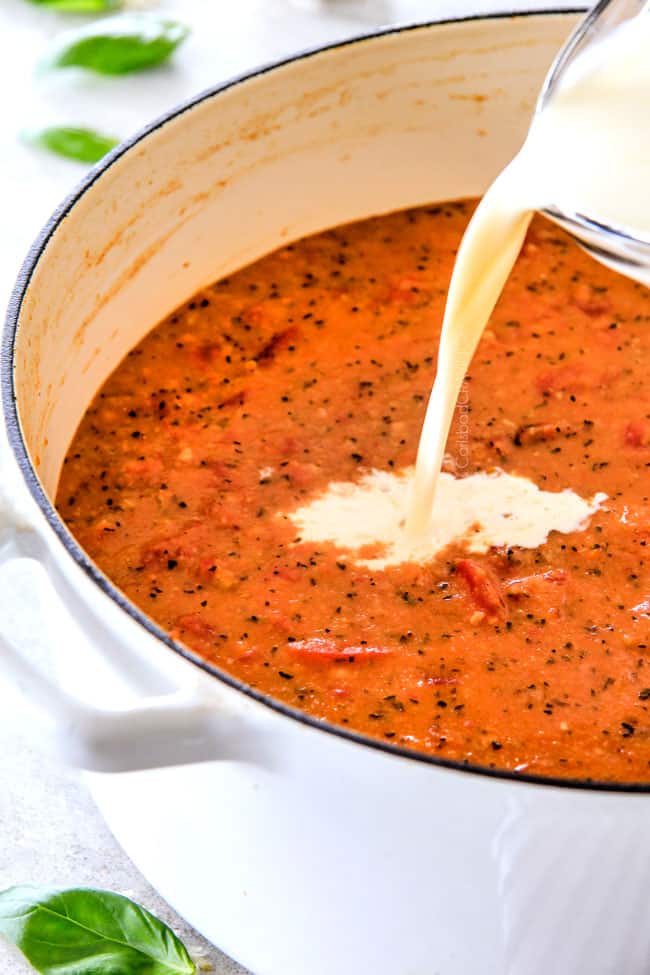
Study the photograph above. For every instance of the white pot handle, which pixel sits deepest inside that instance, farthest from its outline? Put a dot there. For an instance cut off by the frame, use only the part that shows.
(185, 726)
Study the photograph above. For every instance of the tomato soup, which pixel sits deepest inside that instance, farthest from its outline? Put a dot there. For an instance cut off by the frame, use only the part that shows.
(313, 366)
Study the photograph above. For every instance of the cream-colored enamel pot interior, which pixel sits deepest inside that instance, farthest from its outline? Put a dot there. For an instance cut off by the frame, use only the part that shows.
(403, 119)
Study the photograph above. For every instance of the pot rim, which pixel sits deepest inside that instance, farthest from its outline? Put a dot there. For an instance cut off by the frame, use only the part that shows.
(67, 540)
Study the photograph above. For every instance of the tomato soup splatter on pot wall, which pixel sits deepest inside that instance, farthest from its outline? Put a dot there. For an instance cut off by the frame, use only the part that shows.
(520, 638)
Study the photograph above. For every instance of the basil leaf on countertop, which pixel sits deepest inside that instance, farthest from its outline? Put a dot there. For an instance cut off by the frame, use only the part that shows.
(118, 45)
(84, 145)
(80, 6)
(89, 932)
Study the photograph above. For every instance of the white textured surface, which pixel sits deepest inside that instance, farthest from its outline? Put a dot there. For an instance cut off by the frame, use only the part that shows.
(49, 829)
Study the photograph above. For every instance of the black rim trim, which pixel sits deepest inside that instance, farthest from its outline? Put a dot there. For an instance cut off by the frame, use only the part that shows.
(19, 448)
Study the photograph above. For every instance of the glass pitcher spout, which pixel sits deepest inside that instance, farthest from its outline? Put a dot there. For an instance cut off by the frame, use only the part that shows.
(590, 128)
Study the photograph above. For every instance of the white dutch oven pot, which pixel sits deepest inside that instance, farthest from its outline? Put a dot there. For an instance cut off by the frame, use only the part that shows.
(297, 847)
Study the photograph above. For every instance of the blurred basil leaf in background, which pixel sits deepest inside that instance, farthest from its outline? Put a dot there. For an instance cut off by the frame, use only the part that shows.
(117, 45)
(89, 932)
(84, 145)
(80, 6)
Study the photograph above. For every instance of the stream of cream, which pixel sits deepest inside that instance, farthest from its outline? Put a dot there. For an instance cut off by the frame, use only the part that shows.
(485, 258)
(587, 152)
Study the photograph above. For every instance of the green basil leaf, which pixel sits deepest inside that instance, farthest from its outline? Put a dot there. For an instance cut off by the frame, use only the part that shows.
(80, 6)
(89, 932)
(118, 45)
(84, 145)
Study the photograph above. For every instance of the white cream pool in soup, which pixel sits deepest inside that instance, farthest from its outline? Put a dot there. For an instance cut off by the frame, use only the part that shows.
(482, 510)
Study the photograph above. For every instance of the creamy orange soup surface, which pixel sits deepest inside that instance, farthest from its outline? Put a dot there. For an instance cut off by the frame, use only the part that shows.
(312, 366)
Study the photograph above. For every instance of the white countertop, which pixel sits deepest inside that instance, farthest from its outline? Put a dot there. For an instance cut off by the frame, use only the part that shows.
(50, 832)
